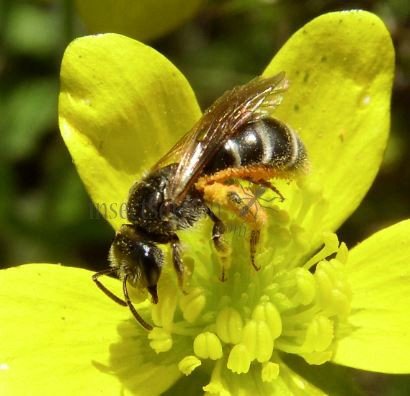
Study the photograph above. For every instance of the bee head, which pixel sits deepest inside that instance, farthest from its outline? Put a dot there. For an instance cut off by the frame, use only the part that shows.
(139, 259)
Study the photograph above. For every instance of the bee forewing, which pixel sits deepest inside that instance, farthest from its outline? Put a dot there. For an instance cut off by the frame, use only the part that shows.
(220, 121)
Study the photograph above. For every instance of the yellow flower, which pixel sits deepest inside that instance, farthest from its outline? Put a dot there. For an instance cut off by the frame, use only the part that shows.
(122, 106)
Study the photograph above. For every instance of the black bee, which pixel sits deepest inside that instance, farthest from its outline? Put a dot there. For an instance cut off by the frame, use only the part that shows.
(236, 138)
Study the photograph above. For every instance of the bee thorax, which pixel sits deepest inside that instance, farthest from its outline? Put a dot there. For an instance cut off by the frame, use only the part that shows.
(148, 208)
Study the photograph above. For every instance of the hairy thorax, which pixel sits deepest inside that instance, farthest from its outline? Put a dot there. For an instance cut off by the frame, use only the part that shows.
(148, 209)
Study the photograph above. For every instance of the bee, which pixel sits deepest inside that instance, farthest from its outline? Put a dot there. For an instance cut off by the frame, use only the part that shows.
(237, 138)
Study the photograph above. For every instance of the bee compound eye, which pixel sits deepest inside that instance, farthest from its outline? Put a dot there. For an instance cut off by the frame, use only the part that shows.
(149, 258)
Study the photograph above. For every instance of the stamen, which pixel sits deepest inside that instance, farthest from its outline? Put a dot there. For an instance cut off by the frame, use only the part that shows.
(319, 334)
(229, 325)
(270, 371)
(331, 244)
(292, 305)
(268, 313)
(188, 364)
(192, 304)
(305, 287)
(208, 346)
(163, 312)
(334, 293)
(313, 202)
(216, 386)
(299, 238)
(317, 357)
(342, 253)
(298, 285)
(239, 360)
(258, 340)
(161, 340)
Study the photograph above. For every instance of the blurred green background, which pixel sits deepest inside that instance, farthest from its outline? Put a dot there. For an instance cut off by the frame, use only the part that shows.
(45, 213)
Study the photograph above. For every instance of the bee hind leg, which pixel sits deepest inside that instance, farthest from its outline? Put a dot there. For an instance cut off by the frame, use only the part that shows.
(254, 215)
(265, 184)
(254, 240)
(248, 209)
(220, 245)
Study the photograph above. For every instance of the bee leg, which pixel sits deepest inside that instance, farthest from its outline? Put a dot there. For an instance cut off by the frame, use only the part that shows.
(104, 289)
(177, 261)
(254, 215)
(255, 236)
(220, 245)
(243, 209)
(266, 184)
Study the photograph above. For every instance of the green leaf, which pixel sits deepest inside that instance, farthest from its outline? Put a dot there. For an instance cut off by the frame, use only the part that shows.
(143, 19)
(31, 30)
(340, 68)
(29, 111)
(378, 338)
(62, 335)
(122, 106)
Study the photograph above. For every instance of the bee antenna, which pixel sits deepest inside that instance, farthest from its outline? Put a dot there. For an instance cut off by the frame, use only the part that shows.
(137, 316)
(109, 293)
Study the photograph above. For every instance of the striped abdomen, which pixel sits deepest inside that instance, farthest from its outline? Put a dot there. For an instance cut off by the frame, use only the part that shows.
(268, 142)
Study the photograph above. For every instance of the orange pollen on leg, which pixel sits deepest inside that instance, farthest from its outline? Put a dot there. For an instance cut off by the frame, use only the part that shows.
(252, 173)
(231, 197)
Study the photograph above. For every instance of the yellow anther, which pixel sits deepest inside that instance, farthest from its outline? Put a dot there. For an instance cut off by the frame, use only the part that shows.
(317, 357)
(239, 359)
(319, 334)
(216, 385)
(192, 304)
(324, 284)
(188, 364)
(305, 285)
(160, 340)
(229, 325)
(268, 313)
(258, 340)
(208, 346)
(270, 371)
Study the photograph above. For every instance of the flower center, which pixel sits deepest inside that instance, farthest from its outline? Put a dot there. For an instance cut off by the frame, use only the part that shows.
(292, 305)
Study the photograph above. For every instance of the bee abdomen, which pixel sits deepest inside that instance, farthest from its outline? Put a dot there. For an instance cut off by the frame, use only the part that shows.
(268, 142)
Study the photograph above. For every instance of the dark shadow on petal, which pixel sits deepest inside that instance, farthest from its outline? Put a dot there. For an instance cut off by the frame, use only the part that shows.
(137, 366)
(331, 378)
(189, 385)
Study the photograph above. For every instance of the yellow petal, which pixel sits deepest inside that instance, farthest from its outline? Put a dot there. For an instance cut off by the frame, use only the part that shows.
(61, 335)
(340, 68)
(122, 105)
(378, 338)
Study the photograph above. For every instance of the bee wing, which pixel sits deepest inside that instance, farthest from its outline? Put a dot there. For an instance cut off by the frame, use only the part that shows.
(176, 153)
(250, 102)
